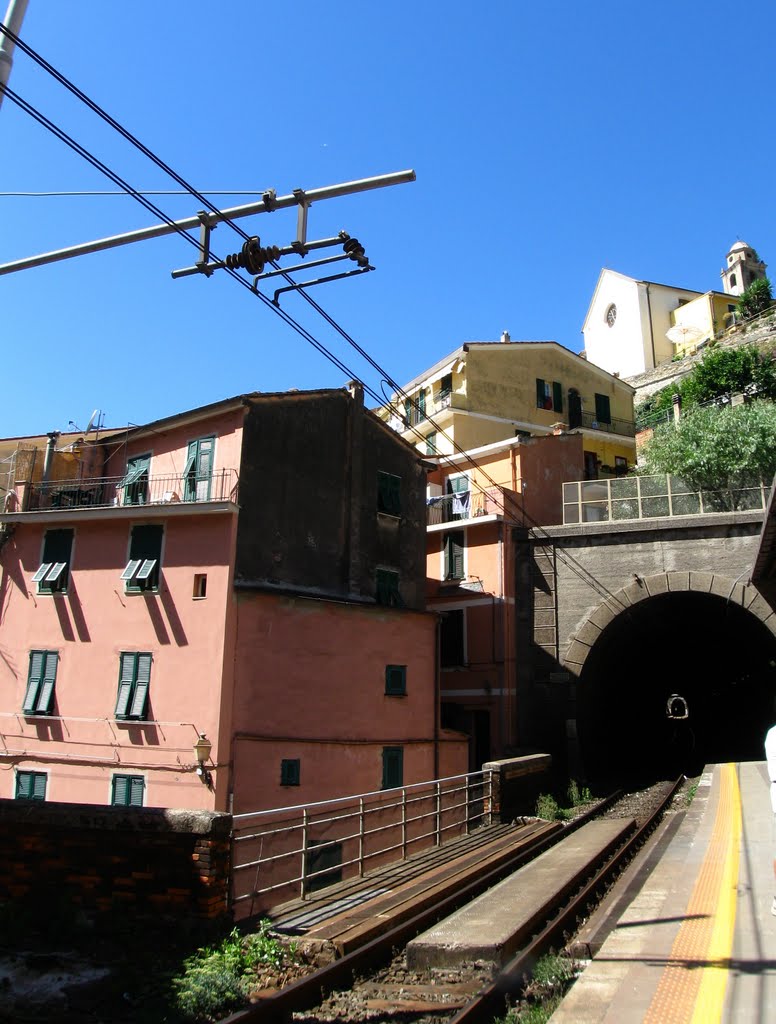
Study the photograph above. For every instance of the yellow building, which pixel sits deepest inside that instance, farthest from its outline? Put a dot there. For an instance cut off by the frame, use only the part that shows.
(485, 392)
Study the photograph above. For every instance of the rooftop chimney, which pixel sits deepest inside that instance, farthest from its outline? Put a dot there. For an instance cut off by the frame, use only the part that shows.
(505, 337)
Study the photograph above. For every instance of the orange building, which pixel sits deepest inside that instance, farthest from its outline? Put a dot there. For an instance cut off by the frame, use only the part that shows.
(479, 503)
(223, 609)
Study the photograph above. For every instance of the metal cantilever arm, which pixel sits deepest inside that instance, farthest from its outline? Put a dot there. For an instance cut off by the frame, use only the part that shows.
(319, 280)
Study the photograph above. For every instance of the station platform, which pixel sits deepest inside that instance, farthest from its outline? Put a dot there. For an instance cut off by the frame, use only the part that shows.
(697, 942)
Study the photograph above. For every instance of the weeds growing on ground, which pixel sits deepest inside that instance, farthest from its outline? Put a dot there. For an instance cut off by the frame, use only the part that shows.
(218, 978)
(547, 806)
(552, 977)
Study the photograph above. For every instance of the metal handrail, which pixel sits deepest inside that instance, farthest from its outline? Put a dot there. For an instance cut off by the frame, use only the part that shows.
(470, 797)
(120, 491)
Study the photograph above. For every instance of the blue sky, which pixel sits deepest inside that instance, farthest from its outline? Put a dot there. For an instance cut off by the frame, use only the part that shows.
(549, 140)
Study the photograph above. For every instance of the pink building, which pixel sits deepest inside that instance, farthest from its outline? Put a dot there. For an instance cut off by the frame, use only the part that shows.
(476, 516)
(248, 576)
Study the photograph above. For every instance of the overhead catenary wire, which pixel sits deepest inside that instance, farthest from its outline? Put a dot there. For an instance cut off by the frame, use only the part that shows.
(140, 197)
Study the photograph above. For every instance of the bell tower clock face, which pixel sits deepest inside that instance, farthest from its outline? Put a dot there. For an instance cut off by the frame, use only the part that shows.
(611, 315)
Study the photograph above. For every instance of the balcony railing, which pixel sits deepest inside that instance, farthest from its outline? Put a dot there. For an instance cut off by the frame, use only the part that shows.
(490, 501)
(626, 428)
(114, 491)
(652, 497)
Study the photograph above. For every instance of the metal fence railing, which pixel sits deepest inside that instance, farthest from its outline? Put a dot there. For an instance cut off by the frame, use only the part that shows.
(108, 492)
(651, 497)
(292, 851)
(486, 501)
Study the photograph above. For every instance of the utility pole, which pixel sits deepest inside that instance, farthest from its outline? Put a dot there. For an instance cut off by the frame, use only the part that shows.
(14, 17)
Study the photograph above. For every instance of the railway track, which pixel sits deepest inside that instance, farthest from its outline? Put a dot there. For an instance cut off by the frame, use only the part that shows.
(371, 980)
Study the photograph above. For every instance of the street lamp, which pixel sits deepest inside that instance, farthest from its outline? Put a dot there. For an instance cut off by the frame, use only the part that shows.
(202, 749)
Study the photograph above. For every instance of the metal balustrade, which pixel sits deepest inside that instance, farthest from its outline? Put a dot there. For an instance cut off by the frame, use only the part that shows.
(274, 850)
(110, 492)
(651, 497)
(487, 501)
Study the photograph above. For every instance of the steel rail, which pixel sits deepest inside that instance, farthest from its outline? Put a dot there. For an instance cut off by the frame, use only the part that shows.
(511, 980)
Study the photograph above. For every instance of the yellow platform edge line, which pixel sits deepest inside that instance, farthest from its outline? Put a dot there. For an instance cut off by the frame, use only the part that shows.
(711, 994)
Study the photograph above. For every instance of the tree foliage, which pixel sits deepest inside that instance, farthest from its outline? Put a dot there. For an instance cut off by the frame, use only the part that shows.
(715, 448)
(755, 299)
(722, 371)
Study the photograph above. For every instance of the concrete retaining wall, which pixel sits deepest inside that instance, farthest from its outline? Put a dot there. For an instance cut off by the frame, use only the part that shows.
(517, 782)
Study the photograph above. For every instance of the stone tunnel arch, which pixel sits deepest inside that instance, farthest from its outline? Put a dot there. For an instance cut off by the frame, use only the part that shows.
(703, 636)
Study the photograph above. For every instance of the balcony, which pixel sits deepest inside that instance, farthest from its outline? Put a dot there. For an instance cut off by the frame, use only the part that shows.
(625, 428)
(653, 497)
(75, 496)
(490, 501)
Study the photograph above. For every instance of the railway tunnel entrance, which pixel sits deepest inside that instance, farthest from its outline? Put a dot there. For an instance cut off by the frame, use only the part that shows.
(675, 681)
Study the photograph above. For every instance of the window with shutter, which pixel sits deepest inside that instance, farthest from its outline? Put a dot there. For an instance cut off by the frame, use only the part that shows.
(135, 482)
(145, 556)
(127, 790)
(393, 767)
(602, 409)
(290, 772)
(41, 677)
(54, 571)
(134, 682)
(31, 785)
(387, 588)
(557, 396)
(453, 547)
(198, 471)
(395, 680)
(421, 405)
(389, 493)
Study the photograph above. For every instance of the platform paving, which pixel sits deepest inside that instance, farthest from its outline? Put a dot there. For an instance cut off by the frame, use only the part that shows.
(644, 972)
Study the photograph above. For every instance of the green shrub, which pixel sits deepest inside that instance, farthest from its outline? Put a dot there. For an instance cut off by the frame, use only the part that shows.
(547, 807)
(218, 978)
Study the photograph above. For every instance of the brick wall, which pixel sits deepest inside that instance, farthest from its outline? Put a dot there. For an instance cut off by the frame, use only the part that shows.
(148, 860)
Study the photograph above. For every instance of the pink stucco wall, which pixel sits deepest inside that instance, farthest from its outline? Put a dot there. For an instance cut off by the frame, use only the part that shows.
(310, 684)
(81, 745)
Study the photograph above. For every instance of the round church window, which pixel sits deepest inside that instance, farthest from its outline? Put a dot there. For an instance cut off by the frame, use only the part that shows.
(611, 315)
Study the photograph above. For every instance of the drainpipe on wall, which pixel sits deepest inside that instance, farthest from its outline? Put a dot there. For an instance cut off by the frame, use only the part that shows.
(437, 691)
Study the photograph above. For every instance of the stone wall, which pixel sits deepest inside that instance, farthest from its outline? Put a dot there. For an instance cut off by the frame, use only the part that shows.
(101, 859)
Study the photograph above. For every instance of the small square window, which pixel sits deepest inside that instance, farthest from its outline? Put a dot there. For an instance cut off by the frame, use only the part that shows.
(395, 680)
(31, 785)
(290, 772)
(200, 584)
(127, 790)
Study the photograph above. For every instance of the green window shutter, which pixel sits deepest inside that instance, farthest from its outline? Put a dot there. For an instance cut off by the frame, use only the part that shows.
(140, 695)
(557, 396)
(136, 787)
(431, 448)
(454, 543)
(539, 393)
(602, 409)
(290, 773)
(31, 785)
(387, 588)
(408, 410)
(393, 767)
(24, 785)
(396, 679)
(57, 549)
(34, 679)
(126, 681)
(120, 794)
(388, 493)
(422, 404)
(46, 692)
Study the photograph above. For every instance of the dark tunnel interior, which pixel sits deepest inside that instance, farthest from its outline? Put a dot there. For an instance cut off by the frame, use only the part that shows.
(718, 663)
